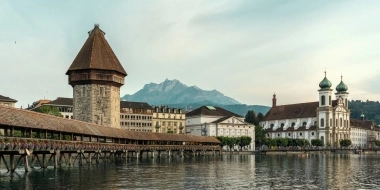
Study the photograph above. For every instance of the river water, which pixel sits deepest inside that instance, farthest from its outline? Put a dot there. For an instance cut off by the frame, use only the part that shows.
(291, 171)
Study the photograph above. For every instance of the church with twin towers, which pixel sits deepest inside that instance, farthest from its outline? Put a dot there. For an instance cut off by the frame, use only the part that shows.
(327, 119)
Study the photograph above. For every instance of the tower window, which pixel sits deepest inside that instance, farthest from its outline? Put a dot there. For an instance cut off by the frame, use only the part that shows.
(282, 124)
(330, 100)
(323, 101)
(322, 122)
(304, 124)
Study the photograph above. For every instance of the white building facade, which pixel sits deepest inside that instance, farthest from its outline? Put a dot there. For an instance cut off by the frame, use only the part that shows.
(216, 121)
(326, 119)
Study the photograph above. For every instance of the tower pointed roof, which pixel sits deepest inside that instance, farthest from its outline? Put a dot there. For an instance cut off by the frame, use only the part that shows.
(97, 54)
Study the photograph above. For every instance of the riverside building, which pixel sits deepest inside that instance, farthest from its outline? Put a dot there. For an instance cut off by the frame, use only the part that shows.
(168, 120)
(216, 121)
(326, 119)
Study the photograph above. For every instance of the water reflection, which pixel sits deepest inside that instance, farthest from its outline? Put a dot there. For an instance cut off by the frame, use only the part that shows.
(285, 171)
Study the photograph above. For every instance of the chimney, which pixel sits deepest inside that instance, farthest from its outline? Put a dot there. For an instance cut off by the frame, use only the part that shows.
(274, 100)
(362, 117)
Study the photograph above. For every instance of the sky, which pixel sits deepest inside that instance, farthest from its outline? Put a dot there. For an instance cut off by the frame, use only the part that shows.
(245, 49)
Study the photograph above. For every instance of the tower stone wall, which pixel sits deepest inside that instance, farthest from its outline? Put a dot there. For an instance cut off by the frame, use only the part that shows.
(97, 103)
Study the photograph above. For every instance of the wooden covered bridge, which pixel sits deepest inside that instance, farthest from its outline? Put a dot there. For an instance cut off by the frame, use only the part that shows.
(27, 135)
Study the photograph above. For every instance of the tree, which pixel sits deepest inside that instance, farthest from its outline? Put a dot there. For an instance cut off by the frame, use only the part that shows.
(316, 142)
(223, 140)
(260, 117)
(345, 142)
(250, 117)
(49, 110)
(377, 142)
(244, 141)
(260, 135)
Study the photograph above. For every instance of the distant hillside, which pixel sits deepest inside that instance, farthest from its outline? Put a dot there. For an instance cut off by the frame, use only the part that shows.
(370, 109)
(175, 92)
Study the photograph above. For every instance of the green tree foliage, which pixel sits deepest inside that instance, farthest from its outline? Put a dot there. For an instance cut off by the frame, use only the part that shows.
(377, 142)
(345, 142)
(316, 142)
(232, 141)
(244, 141)
(260, 135)
(260, 117)
(250, 117)
(49, 110)
(371, 110)
(223, 140)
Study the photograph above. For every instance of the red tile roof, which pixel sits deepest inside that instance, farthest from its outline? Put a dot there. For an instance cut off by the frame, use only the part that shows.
(96, 53)
(362, 124)
(23, 118)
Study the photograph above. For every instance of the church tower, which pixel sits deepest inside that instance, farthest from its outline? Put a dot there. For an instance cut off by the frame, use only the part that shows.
(324, 110)
(96, 76)
(341, 91)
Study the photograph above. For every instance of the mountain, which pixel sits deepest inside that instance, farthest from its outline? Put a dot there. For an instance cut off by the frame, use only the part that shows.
(175, 92)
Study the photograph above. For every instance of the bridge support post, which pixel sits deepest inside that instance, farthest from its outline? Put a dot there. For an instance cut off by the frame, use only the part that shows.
(181, 153)
(194, 153)
(33, 160)
(169, 153)
(12, 162)
(26, 166)
(89, 158)
(159, 154)
(126, 154)
(97, 156)
(55, 158)
(137, 154)
(152, 156)
(43, 161)
(70, 159)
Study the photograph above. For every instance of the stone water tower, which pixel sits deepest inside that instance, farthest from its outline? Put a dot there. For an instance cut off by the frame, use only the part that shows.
(96, 76)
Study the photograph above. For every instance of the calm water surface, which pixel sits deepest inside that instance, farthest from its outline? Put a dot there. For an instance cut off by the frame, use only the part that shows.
(292, 171)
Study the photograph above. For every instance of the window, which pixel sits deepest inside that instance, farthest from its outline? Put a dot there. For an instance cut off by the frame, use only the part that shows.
(330, 122)
(293, 124)
(330, 100)
(323, 100)
(300, 134)
(341, 122)
(304, 124)
(282, 124)
(312, 133)
(322, 122)
(271, 125)
(289, 134)
(278, 134)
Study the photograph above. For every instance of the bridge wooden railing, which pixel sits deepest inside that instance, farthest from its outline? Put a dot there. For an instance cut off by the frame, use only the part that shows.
(12, 144)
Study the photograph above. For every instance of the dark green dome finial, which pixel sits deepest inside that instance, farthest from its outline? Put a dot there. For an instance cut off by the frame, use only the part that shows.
(341, 86)
(325, 83)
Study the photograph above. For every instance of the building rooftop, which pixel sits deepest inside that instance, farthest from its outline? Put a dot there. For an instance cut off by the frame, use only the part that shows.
(24, 118)
(211, 111)
(96, 54)
(7, 99)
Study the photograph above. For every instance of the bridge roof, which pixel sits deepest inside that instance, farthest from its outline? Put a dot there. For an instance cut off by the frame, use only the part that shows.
(29, 119)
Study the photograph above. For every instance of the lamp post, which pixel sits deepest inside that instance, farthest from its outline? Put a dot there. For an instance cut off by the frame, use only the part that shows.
(204, 130)
(157, 127)
(180, 128)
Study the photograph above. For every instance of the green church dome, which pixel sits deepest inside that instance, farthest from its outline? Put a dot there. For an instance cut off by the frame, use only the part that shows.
(341, 87)
(325, 83)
